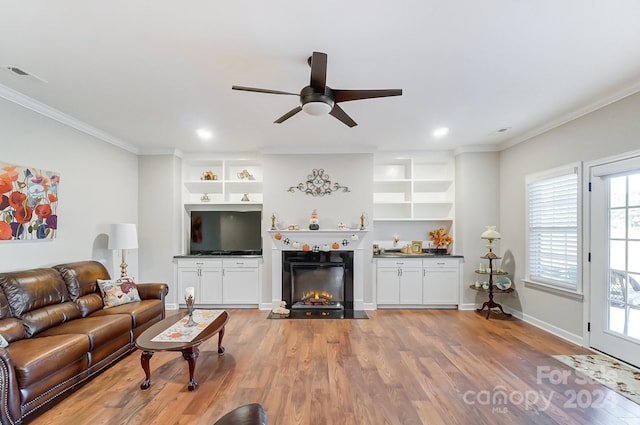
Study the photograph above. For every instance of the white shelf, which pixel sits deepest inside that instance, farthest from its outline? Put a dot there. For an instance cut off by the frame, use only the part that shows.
(235, 180)
(204, 186)
(414, 189)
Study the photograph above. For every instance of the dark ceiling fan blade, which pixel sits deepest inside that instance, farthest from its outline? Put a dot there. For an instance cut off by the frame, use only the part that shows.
(318, 71)
(340, 114)
(288, 115)
(347, 95)
(253, 89)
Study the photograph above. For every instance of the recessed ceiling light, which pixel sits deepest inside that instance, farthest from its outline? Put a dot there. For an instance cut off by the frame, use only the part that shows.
(440, 132)
(204, 134)
(500, 130)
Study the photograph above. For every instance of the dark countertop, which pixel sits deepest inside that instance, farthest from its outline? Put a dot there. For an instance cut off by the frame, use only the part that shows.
(195, 257)
(423, 255)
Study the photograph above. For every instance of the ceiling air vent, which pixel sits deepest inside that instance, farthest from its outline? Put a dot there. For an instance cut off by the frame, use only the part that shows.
(17, 71)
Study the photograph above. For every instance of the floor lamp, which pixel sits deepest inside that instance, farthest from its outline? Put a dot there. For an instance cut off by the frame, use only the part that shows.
(123, 236)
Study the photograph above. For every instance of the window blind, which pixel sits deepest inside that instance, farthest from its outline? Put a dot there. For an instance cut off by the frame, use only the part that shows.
(553, 230)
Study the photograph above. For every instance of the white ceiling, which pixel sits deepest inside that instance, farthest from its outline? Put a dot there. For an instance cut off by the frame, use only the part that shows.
(147, 73)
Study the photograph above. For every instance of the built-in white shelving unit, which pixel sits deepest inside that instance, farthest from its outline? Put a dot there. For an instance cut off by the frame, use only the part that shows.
(414, 189)
(231, 185)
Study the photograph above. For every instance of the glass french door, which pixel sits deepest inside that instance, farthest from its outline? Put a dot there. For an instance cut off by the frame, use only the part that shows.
(615, 259)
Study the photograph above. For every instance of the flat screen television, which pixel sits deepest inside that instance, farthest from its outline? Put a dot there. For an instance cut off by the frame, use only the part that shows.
(226, 233)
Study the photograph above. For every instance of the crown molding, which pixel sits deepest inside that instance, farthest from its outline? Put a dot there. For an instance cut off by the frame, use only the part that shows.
(592, 106)
(476, 149)
(45, 110)
(166, 151)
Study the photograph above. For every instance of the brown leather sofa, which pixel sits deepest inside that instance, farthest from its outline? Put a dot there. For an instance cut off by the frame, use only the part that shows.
(59, 335)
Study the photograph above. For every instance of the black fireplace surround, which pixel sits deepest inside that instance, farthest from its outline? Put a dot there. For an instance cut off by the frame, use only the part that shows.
(326, 268)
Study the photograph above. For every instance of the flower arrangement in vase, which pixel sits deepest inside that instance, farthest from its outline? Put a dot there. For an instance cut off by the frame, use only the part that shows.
(441, 239)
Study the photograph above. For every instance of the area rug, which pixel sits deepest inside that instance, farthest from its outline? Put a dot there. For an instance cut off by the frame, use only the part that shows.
(611, 373)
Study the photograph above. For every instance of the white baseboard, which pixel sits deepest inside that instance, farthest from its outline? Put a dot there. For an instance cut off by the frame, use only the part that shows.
(547, 327)
(571, 337)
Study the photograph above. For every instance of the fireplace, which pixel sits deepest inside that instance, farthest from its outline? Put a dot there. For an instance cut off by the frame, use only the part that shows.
(321, 281)
(334, 253)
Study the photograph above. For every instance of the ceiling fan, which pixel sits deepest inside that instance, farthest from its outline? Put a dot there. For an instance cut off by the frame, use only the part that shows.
(318, 99)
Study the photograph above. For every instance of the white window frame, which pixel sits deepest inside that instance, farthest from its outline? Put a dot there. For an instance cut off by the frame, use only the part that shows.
(546, 282)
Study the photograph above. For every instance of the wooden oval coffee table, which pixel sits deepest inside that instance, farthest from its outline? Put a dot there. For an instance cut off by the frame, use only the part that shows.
(189, 349)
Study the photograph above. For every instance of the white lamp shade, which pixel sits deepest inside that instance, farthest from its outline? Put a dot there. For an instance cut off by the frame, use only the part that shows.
(123, 236)
(317, 108)
(490, 233)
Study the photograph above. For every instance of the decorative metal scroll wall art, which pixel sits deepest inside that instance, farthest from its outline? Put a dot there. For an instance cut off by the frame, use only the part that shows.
(318, 184)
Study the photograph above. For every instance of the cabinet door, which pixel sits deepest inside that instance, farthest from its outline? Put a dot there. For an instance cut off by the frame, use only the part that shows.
(240, 286)
(410, 286)
(440, 286)
(210, 286)
(188, 276)
(388, 285)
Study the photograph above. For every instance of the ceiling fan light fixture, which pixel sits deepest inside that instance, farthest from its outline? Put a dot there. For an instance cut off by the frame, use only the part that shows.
(317, 108)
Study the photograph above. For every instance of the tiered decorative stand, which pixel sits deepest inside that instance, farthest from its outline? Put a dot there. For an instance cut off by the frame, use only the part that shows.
(490, 271)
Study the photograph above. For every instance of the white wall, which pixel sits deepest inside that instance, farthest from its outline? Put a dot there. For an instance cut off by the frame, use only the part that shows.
(98, 186)
(611, 130)
(161, 219)
(477, 206)
(284, 171)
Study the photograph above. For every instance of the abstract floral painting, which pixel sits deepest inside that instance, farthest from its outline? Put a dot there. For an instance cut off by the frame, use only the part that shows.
(28, 203)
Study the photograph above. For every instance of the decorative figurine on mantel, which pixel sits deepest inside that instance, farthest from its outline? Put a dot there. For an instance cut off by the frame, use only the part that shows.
(314, 223)
(363, 221)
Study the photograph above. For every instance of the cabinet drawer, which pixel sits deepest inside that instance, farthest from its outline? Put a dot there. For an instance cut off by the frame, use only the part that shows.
(240, 262)
(399, 262)
(440, 263)
(199, 263)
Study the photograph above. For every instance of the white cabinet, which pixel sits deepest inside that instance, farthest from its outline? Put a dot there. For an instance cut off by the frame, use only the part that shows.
(418, 282)
(416, 188)
(240, 281)
(205, 276)
(441, 281)
(229, 281)
(399, 281)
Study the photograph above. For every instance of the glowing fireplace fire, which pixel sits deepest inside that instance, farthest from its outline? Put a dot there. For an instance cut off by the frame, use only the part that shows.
(317, 298)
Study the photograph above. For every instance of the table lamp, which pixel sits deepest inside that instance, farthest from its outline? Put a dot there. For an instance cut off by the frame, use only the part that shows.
(123, 236)
(490, 235)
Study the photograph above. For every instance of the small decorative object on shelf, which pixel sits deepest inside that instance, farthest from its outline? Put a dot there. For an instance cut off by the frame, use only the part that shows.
(273, 221)
(490, 235)
(205, 197)
(245, 198)
(314, 223)
(245, 175)
(189, 297)
(208, 175)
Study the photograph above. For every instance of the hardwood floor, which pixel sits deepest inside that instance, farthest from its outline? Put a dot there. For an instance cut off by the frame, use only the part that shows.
(398, 367)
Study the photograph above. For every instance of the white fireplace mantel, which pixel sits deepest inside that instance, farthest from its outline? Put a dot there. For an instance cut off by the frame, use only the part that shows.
(323, 240)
